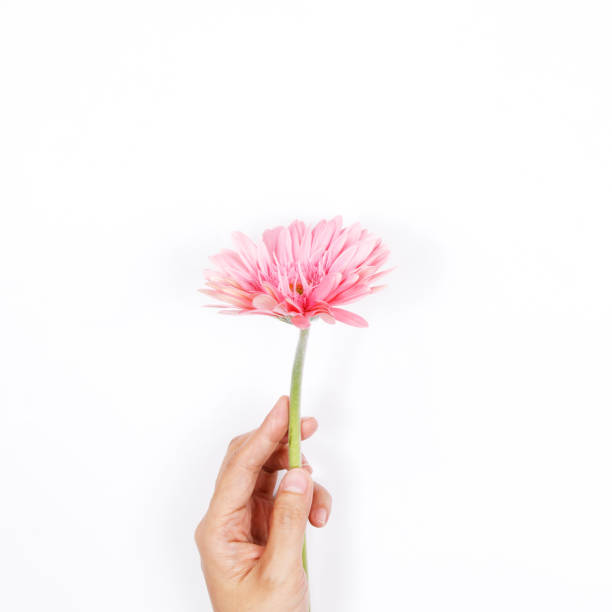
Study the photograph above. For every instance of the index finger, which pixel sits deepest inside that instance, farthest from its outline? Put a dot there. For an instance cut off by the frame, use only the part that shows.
(238, 476)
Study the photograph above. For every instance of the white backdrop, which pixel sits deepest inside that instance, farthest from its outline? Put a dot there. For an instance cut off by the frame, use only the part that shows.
(465, 435)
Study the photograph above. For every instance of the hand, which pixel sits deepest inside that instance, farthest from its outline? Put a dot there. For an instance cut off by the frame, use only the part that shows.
(251, 542)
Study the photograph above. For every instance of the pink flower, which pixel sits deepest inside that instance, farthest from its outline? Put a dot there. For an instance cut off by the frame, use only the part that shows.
(298, 273)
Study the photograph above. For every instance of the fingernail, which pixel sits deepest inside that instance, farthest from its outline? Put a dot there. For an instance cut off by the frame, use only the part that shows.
(295, 481)
(320, 516)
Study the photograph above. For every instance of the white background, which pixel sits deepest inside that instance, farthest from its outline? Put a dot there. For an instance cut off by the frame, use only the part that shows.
(465, 435)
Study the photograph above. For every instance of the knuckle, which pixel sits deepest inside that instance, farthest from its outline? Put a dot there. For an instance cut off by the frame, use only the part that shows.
(233, 443)
(234, 461)
(241, 459)
(202, 531)
(198, 534)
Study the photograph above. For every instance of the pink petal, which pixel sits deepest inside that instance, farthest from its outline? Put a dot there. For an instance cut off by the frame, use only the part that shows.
(296, 230)
(327, 284)
(327, 318)
(351, 294)
(350, 318)
(264, 302)
(283, 246)
(300, 321)
(270, 290)
(347, 283)
(270, 238)
(380, 274)
(212, 274)
(246, 247)
(230, 299)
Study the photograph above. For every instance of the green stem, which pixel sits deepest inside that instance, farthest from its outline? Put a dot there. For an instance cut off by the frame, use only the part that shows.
(295, 425)
(295, 434)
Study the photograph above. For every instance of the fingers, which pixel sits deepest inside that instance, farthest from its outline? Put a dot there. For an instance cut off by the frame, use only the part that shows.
(321, 506)
(309, 426)
(245, 459)
(278, 460)
(288, 523)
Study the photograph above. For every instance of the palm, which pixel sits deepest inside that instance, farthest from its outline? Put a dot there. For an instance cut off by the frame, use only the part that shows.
(260, 511)
(247, 530)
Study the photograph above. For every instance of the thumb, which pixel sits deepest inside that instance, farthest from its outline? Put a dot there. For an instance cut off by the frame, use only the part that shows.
(288, 524)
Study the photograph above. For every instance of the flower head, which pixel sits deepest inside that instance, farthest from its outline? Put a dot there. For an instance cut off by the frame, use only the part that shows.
(298, 273)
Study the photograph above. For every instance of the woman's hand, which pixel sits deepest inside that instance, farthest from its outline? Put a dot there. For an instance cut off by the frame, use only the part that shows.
(250, 541)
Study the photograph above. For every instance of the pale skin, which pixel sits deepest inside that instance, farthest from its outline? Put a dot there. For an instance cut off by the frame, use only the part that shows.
(250, 540)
